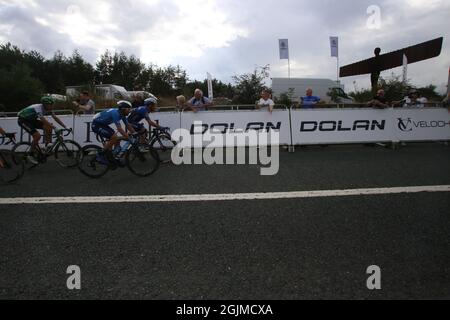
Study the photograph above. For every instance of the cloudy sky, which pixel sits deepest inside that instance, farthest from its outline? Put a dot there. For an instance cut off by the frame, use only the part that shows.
(229, 37)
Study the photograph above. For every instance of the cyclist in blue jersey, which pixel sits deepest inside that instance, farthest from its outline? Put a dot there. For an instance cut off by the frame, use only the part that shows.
(101, 126)
(142, 113)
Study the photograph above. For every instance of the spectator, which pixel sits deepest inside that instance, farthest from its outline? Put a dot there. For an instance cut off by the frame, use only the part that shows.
(309, 101)
(265, 103)
(85, 104)
(446, 102)
(181, 103)
(413, 100)
(199, 102)
(379, 101)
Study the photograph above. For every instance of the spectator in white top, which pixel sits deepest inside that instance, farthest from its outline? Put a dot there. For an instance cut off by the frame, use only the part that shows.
(199, 102)
(414, 100)
(265, 103)
(446, 102)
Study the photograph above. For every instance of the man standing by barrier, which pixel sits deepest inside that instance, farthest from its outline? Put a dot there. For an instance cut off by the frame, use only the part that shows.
(199, 102)
(309, 101)
(85, 104)
(379, 101)
(446, 102)
(265, 103)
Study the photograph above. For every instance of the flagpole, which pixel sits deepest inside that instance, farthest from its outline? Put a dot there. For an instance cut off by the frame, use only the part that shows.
(337, 73)
(289, 68)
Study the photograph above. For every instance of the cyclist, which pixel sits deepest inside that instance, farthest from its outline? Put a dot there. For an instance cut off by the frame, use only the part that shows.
(101, 126)
(33, 118)
(137, 115)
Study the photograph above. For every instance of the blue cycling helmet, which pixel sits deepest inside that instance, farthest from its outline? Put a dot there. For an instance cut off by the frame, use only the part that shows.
(124, 105)
(150, 101)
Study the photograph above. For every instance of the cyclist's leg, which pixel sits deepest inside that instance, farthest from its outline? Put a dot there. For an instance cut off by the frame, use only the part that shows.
(47, 133)
(31, 128)
(108, 134)
(141, 131)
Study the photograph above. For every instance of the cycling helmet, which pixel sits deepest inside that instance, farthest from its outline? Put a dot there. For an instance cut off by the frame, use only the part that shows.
(47, 100)
(124, 105)
(150, 101)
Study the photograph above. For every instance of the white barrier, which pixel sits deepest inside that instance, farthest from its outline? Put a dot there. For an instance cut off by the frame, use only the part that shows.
(296, 127)
(429, 124)
(324, 126)
(240, 121)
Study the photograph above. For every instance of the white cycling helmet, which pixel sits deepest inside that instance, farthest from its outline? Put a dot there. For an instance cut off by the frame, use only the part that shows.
(150, 101)
(124, 105)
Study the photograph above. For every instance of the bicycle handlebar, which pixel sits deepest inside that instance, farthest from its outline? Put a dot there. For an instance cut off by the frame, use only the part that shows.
(62, 133)
(11, 138)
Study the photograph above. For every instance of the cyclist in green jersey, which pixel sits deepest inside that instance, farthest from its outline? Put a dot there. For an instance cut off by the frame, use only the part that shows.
(33, 118)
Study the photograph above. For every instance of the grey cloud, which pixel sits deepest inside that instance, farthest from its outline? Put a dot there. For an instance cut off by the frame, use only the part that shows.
(307, 24)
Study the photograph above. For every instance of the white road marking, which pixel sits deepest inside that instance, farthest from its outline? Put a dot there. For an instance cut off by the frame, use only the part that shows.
(224, 197)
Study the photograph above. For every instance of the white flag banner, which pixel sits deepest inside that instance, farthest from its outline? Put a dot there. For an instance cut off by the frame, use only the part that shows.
(334, 42)
(284, 49)
(405, 68)
(210, 87)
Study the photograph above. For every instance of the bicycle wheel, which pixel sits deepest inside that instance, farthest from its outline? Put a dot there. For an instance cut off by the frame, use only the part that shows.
(88, 164)
(22, 151)
(67, 154)
(12, 167)
(164, 145)
(142, 160)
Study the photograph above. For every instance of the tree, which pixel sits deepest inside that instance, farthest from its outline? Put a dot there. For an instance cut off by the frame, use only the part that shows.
(78, 71)
(104, 68)
(286, 98)
(10, 56)
(18, 88)
(249, 86)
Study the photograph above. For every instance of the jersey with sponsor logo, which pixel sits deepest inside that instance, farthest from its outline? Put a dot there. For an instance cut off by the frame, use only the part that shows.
(33, 112)
(110, 116)
(138, 114)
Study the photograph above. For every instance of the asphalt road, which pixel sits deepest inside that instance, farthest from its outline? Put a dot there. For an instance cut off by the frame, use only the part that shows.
(313, 248)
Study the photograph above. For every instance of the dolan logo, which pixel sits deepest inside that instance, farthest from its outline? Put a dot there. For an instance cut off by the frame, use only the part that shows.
(405, 124)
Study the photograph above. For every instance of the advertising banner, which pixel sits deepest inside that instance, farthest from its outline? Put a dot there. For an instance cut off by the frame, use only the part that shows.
(336, 126)
(239, 123)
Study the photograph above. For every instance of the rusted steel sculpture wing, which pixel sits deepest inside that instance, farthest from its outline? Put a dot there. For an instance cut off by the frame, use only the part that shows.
(419, 52)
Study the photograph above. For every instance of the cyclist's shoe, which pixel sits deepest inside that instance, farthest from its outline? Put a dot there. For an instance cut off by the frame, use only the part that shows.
(31, 159)
(101, 158)
(143, 149)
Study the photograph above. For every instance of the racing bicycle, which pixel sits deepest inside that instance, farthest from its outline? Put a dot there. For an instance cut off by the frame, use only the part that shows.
(11, 167)
(140, 158)
(66, 152)
(160, 140)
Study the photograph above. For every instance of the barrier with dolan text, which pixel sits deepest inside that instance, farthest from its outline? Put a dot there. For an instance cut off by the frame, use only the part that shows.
(223, 122)
(323, 126)
(296, 127)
